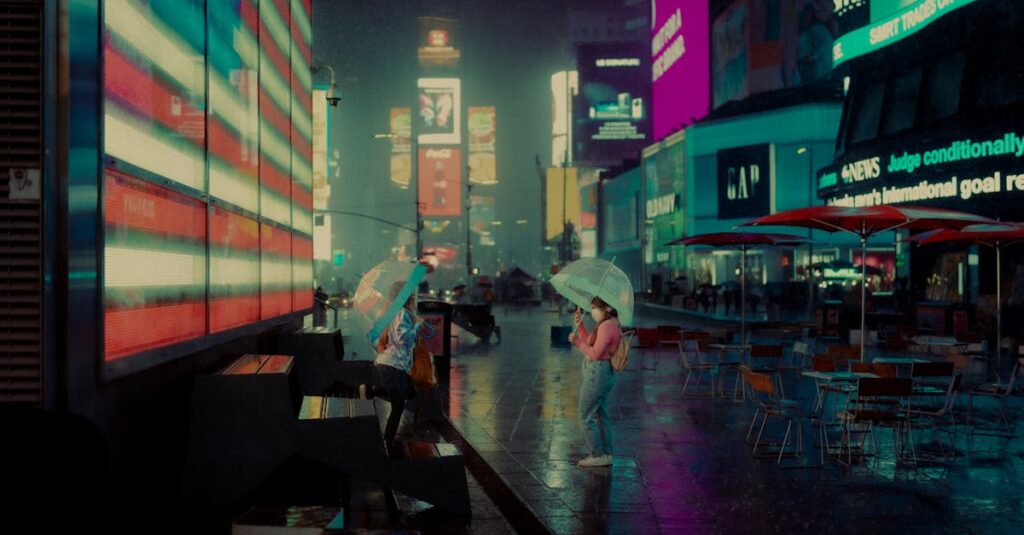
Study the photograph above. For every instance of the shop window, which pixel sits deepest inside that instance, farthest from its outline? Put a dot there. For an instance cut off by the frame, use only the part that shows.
(901, 102)
(866, 111)
(940, 95)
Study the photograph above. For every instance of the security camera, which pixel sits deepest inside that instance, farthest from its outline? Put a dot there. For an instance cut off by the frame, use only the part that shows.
(332, 96)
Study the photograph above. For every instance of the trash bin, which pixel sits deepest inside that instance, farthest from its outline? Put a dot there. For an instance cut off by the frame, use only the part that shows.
(438, 315)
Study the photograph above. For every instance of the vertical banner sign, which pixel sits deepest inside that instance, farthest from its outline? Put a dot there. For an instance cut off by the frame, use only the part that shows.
(745, 181)
(401, 146)
(482, 166)
(321, 188)
(680, 64)
(563, 200)
(439, 119)
(440, 182)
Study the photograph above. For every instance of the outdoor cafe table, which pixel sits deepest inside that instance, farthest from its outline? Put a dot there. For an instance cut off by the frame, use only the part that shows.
(947, 343)
(836, 376)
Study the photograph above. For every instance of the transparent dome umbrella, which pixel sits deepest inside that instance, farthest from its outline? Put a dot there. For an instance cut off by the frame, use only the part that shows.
(584, 279)
(383, 291)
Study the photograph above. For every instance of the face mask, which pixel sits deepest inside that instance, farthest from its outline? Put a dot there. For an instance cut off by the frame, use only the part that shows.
(597, 314)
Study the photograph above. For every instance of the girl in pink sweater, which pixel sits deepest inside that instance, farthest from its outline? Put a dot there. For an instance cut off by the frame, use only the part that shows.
(598, 379)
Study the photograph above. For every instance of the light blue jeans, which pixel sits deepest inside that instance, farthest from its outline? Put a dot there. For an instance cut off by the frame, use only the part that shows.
(598, 380)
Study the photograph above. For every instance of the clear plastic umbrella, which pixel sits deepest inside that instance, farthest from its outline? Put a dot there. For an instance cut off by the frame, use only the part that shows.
(383, 291)
(584, 279)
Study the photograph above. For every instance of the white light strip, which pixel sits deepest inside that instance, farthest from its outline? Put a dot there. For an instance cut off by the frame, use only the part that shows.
(275, 208)
(228, 184)
(302, 119)
(156, 43)
(228, 271)
(150, 268)
(125, 139)
(226, 103)
(301, 220)
(275, 273)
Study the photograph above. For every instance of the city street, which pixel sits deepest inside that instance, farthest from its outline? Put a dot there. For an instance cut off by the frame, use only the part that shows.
(681, 465)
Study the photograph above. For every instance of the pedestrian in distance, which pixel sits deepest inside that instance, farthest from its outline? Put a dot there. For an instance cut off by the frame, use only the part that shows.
(597, 347)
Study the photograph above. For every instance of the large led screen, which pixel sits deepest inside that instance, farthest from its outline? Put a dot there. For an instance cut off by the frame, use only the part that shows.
(680, 64)
(234, 270)
(154, 88)
(438, 117)
(275, 104)
(612, 115)
(233, 103)
(207, 122)
(154, 264)
(440, 183)
(762, 46)
(563, 200)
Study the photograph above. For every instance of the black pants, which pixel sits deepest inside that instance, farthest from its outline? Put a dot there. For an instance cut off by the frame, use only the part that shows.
(398, 388)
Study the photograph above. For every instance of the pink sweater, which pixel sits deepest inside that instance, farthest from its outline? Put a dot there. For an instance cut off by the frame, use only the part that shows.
(608, 335)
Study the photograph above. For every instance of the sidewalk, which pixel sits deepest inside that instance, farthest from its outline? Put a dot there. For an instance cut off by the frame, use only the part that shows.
(681, 465)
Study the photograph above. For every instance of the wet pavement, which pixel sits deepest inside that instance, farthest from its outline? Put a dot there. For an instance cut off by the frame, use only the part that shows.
(681, 465)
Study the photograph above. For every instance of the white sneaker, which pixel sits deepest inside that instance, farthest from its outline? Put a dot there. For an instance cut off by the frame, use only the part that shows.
(592, 461)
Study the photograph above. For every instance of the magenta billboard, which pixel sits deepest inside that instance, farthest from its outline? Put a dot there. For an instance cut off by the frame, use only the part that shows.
(680, 64)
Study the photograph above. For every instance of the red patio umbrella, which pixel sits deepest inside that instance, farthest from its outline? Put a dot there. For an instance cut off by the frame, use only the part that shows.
(996, 236)
(866, 222)
(741, 241)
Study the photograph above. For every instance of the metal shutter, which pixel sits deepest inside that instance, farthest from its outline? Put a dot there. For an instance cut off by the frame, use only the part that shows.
(20, 219)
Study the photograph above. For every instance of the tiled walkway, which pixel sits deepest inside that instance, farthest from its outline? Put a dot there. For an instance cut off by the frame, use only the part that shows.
(681, 465)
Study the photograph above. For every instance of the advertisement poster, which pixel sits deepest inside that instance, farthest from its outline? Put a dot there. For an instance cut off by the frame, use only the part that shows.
(745, 181)
(612, 117)
(401, 146)
(680, 64)
(762, 46)
(482, 163)
(440, 182)
(438, 116)
(438, 43)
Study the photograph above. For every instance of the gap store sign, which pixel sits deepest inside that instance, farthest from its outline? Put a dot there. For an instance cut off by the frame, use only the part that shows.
(891, 21)
(978, 174)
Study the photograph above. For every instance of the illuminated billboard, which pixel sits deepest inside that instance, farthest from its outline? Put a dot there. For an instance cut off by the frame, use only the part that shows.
(612, 112)
(439, 108)
(440, 182)
(563, 200)
(208, 124)
(482, 165)
(321, 139)
(765, 46)
(438, 43)
(680, 64)
(891, 21)
(481, 218)
(401, 146)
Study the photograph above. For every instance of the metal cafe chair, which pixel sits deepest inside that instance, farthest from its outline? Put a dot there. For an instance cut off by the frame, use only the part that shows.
(798, 357)
(878, 403)
(694, 358)
(999, 392)
(942, 415)
(770, 405)
(767, 359)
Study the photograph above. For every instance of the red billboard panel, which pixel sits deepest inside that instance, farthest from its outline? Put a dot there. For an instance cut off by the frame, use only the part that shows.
(440, 182)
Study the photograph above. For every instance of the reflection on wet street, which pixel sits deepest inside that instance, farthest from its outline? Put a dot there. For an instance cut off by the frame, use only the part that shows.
(682, 465)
